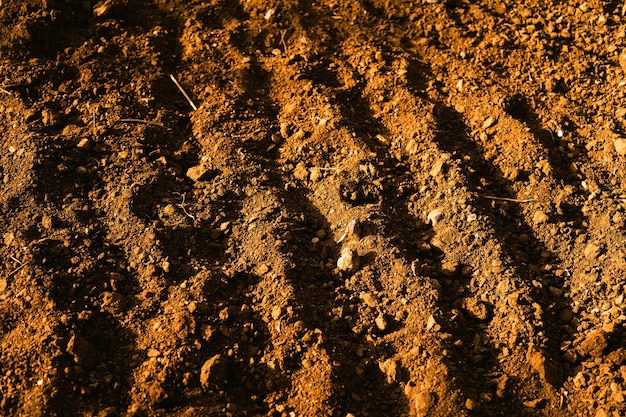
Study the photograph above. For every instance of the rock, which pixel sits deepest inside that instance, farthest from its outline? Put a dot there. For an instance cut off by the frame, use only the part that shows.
(197, 173)
(301, 172)
(540, 217)
(349, 260)
(390, 369)
(592, 251)
(424, 401)
(488, 122)
(434, 216)
(277, 311)
(316, 174)
(368, 299)
(475, 308)
(381, 322)
(536, 403)
(83, 352)
(471, 404)
(620, 146)
(431, 324)
(593, 344)
(544, 367)
(214, 373)
(622, 60)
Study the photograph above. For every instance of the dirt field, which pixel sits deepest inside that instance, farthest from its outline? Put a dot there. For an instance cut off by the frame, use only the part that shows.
(366, 208)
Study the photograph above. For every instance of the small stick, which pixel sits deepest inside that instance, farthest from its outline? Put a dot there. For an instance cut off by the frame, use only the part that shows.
(193, 106)
(3, 88)
(512, 200)
(16, 270)
(182, 206)
(144, 122)
(282, 39)
(94, 131)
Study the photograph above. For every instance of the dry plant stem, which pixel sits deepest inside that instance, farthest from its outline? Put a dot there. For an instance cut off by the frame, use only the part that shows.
(143, 122)
(182, 207)
(16, 270)
(512, 200)
(191, 103)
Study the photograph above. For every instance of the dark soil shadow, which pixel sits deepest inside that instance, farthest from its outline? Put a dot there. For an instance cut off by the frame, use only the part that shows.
(93, 295)
(453, 137)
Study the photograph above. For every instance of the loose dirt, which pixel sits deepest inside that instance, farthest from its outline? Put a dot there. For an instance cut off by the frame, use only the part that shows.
(379, 208)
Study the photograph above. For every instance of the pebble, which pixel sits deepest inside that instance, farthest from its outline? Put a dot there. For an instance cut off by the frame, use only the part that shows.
(431, 323)
(368, 299)
(471, 404)
(594, 344)
(544, 367)
(434, 216)
(83, 352)
(622, 60)
(381, 322)
(424, 401)
(277, 311)
(390, 369)
(620, 146)
(196, 173)
(349, 260)
(488, 122)
(213, 374)
(540, 217)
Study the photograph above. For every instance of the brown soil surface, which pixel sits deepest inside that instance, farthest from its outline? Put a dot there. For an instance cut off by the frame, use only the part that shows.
(379, 208)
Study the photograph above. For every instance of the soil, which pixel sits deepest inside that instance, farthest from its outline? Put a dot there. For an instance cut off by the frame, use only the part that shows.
(365, 208)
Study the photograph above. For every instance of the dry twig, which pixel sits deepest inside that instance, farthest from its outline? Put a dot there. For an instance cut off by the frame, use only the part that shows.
(144, 122)
(512, 200)
(191, 103)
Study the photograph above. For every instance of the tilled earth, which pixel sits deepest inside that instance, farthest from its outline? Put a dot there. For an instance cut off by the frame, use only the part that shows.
(365, 208)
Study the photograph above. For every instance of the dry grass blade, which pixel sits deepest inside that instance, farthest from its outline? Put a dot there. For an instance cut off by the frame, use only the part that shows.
(182, 90)
(512, 200)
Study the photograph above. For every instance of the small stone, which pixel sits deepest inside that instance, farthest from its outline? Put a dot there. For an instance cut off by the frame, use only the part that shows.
(349, 260)
(540, 217)
(277, 311)
(168, 210)
(316, 174)
(592, 251)
(622, 60)
(431, 323)
(533, 403)
(368, 299)
(471, 404)
(434, 216)
(381, 322)
(153, 353)
(46, 222)
(544, 367)
(390, 369)
(594, 344)
(197, 173)
(488, 122)
(83, 352)
(424, 401)
(601, 413)
(214, 373)
(620, 146)
(301, 172)
(83, 144)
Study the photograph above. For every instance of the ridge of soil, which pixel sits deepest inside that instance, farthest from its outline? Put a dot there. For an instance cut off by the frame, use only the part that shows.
(379, 208)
